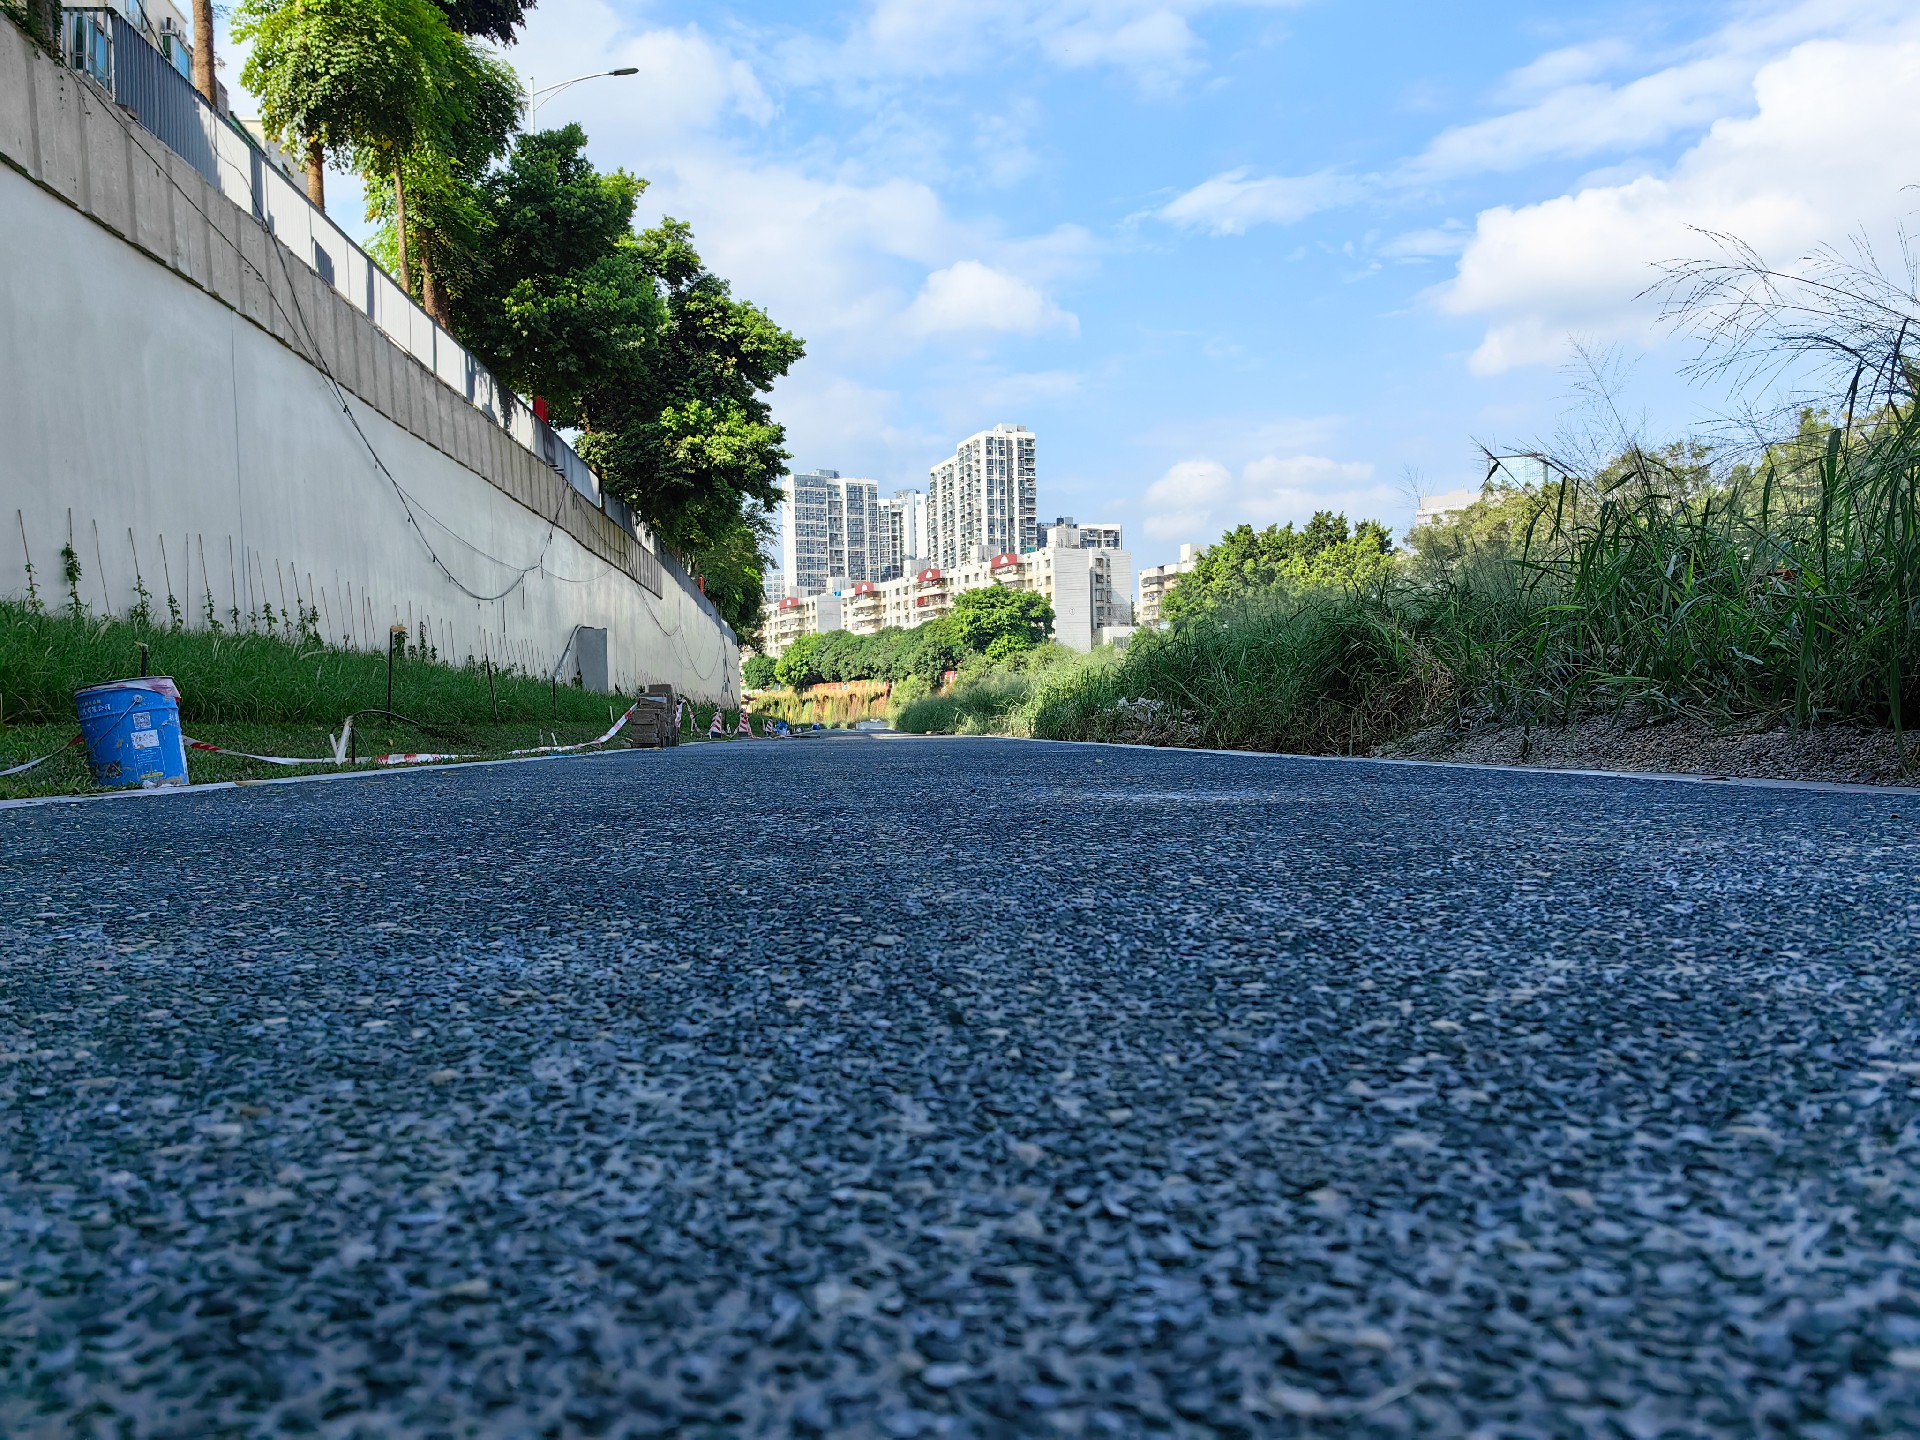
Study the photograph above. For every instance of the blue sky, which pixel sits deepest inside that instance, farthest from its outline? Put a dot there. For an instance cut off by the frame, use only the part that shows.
(1238, 260)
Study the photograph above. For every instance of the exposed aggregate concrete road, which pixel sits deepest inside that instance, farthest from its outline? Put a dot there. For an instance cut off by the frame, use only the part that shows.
(889, 1087)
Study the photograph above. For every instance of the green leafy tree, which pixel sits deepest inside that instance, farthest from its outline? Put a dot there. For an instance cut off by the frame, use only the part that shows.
(732, 565)
(758, 672)
(995, 614)
(374, 81)
(1499, 523)
(497, 20)
(935, 648)
(1005, 649)
(692, 444)
(448, 230)
(798, 664)
(560, 301)
(695, 438)
(630, 338)
(1325, 551)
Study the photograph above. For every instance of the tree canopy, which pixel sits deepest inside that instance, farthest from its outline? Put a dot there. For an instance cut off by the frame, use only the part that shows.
(559, 301)
(994, 623)
(997, 621)
(345, 74)
(390, 87)
(1324, 551)
(631, 339)
(692, 440)
(495, 19)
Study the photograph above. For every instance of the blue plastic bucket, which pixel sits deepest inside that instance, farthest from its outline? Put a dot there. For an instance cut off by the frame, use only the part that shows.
(132, 730)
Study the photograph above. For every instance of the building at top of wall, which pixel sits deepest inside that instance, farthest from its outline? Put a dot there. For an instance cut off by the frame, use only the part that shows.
(87, 36)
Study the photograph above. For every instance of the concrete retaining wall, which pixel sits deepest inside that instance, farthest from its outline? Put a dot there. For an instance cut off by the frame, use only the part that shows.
(164, 383)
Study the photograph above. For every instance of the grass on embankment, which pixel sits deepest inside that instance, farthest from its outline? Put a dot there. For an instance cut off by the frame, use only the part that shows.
(270, 694)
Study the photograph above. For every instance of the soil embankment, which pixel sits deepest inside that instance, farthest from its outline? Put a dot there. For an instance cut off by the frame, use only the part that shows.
(1836, 754)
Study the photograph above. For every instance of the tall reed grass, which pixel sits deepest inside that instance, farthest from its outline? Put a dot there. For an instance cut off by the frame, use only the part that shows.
(1781, 598)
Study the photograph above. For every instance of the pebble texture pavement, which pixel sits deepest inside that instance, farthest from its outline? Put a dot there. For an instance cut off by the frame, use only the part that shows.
(897, 1087)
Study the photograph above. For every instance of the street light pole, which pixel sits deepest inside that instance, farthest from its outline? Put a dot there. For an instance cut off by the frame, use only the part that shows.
(534, 96)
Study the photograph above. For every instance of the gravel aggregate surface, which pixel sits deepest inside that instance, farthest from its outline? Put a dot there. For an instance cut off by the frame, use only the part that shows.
(942, 1087)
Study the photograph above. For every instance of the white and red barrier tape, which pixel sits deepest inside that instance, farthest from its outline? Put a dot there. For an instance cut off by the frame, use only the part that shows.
(21, 769)
(193, 744)
(340, 741)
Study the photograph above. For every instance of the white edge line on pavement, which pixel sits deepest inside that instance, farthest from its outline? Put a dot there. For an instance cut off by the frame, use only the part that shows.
(1676, 777)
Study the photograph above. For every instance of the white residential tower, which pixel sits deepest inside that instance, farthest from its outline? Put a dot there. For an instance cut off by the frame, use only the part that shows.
(983, 500)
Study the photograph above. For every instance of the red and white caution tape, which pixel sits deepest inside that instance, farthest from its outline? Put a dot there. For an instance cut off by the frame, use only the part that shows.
(193, 744)
(21, 769)
(339, 757)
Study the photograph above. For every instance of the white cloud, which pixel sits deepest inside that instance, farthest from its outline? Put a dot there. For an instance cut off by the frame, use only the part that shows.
(688, 81)
(1200, 498)
(1561, 108)
(1181, 503)
(1570, 65)
(837, 422)
(1828, 149)
(1151, 41)
(1448, 239)
(1229, 203)
(1589, 119)
(970, 296)
(1565, 110)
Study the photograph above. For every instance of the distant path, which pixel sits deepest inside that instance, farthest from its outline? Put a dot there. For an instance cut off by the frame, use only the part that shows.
(894, 1087)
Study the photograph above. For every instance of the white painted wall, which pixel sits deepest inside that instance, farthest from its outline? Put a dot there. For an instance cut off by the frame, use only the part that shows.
(145, 415)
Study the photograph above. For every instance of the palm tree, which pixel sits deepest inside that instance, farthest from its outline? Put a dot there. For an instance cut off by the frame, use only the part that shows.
(203, 77)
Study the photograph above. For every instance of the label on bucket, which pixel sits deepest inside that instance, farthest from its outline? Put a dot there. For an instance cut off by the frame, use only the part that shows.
(145, 739)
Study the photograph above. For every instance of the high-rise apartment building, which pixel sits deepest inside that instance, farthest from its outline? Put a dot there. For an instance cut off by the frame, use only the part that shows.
(829, 529)
(903, 535)
(983, 500)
